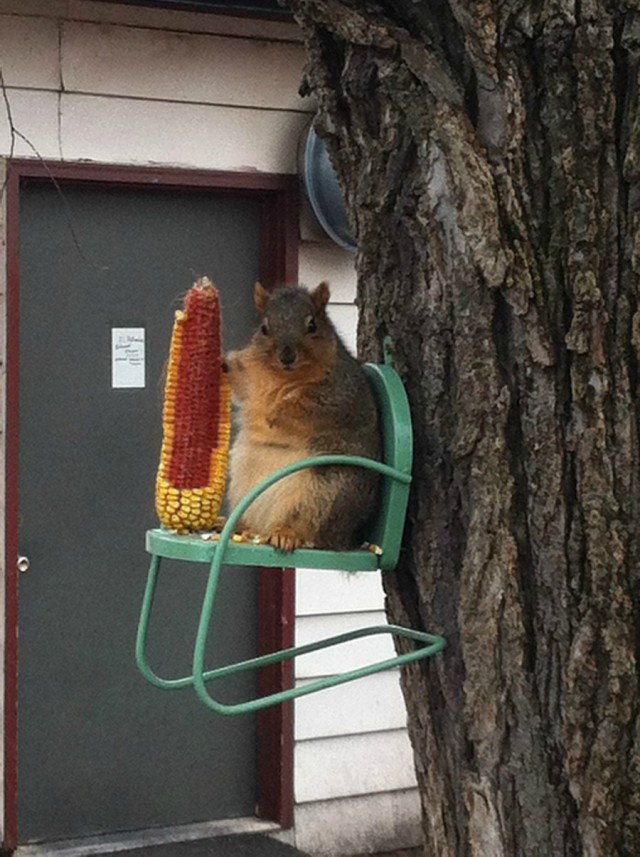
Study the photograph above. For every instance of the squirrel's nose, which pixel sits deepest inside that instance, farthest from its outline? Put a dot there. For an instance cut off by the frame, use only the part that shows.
(287, 355)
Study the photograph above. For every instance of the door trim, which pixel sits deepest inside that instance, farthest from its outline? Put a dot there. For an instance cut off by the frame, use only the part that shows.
(279, 198)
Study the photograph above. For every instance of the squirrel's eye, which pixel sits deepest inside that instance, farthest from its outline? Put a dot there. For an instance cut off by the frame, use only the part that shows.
(264, 328)
(311, 326)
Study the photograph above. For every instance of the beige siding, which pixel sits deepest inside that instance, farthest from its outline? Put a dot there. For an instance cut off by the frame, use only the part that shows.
(322, 260)
(371, 824)
(35, 116)
(373, 704)
(29, 8)
(326, 592)
(124, 130)
(160, 19)
(173, 66)
(345, 319)
(346, 656)
(353, 765)
(140, 95)
(29, 51)
(187, 21)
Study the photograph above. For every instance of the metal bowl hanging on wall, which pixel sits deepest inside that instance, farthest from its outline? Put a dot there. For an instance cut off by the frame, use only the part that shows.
(324, 193)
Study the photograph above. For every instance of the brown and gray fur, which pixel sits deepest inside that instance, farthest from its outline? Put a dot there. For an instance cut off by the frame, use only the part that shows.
(300, 393)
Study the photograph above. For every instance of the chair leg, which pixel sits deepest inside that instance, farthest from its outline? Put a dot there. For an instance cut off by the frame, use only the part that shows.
(143, 628)
(431, 644)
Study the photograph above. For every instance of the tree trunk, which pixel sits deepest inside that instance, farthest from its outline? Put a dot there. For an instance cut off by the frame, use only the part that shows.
(489, 154)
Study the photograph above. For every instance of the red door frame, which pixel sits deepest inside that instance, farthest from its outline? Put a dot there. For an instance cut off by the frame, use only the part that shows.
(278, 195)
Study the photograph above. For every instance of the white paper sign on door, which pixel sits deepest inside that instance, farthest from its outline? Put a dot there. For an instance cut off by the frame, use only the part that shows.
(127, 357)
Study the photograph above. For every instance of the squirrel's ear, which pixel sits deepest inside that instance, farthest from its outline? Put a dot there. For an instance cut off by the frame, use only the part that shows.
(320, 296)
(261, 298)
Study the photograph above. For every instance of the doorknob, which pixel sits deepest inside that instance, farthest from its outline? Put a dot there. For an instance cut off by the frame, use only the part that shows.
(23, 563)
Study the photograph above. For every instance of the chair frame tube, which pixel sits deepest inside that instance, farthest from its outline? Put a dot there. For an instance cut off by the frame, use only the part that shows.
(430, 643)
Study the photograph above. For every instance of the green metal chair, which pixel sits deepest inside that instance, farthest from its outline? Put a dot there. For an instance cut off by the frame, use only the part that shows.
(386, 533)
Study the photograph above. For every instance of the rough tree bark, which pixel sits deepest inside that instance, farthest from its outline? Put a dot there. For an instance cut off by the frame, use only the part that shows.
(490, 153)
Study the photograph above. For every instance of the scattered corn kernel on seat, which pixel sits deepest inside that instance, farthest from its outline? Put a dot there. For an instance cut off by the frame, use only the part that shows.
(196, 418)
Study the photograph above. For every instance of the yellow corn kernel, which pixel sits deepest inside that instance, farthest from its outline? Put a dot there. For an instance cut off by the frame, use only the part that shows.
(194, 457)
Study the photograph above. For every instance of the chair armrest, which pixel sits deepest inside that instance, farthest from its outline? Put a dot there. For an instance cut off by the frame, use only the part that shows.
(200, 675)
(315, 461)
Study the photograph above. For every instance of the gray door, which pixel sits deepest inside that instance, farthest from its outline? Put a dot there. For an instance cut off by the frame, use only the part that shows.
(99, 749)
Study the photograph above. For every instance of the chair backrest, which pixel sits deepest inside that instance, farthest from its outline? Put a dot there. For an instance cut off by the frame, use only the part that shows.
(395, 420)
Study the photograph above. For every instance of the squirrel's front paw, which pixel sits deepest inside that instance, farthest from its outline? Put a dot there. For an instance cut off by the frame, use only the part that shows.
(285, 539)
(233, 367)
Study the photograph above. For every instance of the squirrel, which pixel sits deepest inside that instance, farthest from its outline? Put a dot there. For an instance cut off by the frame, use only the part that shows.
(300, 393)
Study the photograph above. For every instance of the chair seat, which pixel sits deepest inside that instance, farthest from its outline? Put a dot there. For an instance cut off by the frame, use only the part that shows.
(193, 548)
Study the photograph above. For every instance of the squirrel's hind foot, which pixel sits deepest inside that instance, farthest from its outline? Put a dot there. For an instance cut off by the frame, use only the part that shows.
(286, 539)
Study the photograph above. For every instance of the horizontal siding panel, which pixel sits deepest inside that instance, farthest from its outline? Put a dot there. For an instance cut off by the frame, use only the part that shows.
(329, 262)
(370, 824)
(120, 130)
(35, 114)
(51, 9)
(29, 51)
(137, 16)
(345, 319)
(373, 704)
(343, 657)
(354, 765)
(327, 592)
(143, 63)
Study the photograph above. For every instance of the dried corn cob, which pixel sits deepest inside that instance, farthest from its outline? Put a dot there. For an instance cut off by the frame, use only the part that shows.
(196, 418)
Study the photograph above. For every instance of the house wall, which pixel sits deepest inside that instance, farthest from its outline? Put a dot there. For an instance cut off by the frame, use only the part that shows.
(90, 81)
